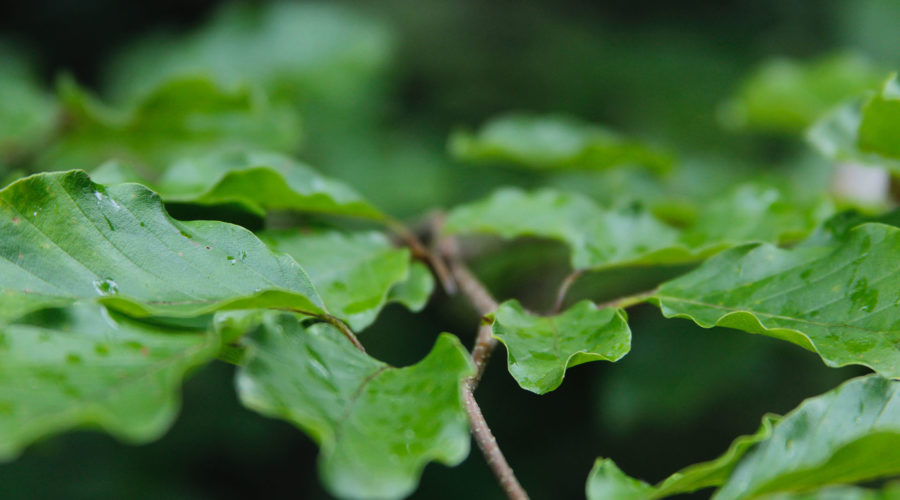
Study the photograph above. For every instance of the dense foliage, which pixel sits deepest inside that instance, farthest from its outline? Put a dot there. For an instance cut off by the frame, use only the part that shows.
(171, 225)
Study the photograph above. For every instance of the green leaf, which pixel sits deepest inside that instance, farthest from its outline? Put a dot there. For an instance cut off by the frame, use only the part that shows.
(541, 349)
(863, 131)
(787, 96)
(354, 273)
(28, 113)
(293, 51)
(847, 435)
(86, 367)
(834, 298)
(850, 434)
(601, 238)
(890, 492)
(608, 482)
(181, 117)
(66, 239)
(416, 290)
(260, 182)
(377, 426)
(836, 136)
(879, 130)
(552, 142)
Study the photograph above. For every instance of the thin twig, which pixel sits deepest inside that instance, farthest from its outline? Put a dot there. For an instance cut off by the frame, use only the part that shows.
(481, 351)
(483, 302)
(491, 451)
(340, 325)
(564, 289)
(628, 300)
(471, 287)
(420, 252)
(480, 298)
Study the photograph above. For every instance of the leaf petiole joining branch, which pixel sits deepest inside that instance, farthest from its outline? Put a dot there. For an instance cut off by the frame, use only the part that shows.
(340, 325)
(628, 300)
(621, 302)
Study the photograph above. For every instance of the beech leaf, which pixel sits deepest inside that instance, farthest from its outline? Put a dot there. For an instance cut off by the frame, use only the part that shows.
(541, 349)
(608, 482)
(601, 238)
(182, 117)
(355, 273)
(553, 142)
(879, 130)
(849, 434)
(261, 182)
(377, 425)
(66, 239)
(787, 96)
(84, 367)
(833, 297)
(836, 136)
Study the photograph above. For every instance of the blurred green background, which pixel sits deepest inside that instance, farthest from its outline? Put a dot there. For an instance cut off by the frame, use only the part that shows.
(378, 86)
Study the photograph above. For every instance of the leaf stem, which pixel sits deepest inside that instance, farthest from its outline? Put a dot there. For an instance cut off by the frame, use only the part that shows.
(491, 450)
(628, 300)
(564, 289)
(340, 325)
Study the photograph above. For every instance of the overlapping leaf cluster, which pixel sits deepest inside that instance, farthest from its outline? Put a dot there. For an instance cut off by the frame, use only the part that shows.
(107, 301)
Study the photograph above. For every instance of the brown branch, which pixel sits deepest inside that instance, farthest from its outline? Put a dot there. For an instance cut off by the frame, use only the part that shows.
(491, 451)
(479, 297)
(419, 251)
(483, 302)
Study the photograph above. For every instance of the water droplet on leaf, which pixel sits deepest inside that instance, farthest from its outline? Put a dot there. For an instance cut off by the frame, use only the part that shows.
(106, 286)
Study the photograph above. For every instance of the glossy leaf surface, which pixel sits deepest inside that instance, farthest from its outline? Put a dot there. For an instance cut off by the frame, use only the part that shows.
(66, 238)
(836, 298)
(354, 273)
(83, 367)
(541, 348)
(600, 237)
(889, 492)
(261, 182)
(377, 426)
(847, 435)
